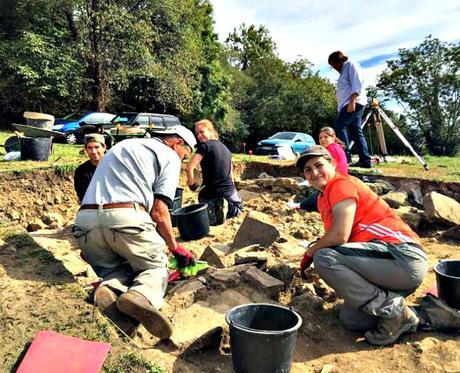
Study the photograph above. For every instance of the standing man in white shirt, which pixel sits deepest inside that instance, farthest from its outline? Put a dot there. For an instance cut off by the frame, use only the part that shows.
(351, 97)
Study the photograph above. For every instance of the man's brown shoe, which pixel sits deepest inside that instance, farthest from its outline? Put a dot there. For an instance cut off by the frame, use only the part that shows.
(137, 306)
(106, 301)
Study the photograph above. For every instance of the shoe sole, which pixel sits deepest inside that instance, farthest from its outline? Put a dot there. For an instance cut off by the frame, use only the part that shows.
(152, 319)
(106, 302)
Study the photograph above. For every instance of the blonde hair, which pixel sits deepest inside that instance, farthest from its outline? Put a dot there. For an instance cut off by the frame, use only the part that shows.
(206, 123)
(330, 132)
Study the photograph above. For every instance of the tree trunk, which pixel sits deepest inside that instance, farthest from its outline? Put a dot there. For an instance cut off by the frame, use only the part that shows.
(97, 68)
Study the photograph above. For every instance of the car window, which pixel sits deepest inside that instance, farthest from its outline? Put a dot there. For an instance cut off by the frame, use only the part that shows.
(106, 118)
(74, 117)
(156, 121)
(284, 136)
(91, 118)
(171, 121)
(143, 120)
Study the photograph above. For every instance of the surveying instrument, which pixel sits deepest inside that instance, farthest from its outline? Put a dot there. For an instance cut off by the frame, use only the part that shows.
(377, 114)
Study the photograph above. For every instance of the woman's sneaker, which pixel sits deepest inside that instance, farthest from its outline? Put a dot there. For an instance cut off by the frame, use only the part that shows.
(389, 330)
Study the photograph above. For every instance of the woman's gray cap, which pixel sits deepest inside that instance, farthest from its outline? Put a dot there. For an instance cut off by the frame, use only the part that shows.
(312, 151)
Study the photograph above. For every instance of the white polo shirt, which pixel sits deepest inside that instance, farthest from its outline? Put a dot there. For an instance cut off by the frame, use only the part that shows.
(135, 170)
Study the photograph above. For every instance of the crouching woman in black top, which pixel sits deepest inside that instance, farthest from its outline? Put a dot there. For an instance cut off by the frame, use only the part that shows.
(216, 166)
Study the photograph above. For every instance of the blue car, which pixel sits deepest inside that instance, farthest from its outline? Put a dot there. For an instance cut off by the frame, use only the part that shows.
(298, 141)
(71, 124)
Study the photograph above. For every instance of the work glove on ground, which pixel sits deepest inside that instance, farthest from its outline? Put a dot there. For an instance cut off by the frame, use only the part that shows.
(183, 256)
(306, 262)
(293, 205)
(193, 187)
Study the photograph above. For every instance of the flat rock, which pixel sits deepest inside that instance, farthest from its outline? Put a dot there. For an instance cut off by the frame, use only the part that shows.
(453, 233)
(441, 209)
(396, 199)
(193, 323)
(249, 256)
(282, 272)
(269, 285)
(213, 256)
(414, 191)
(247, 195)
(411, 218)
(257, 228)
(186, 293)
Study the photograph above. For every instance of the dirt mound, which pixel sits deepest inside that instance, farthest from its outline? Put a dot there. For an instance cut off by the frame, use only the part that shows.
(45, 285)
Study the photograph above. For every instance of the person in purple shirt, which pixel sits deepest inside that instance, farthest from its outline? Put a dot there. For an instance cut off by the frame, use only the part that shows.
(351, 97)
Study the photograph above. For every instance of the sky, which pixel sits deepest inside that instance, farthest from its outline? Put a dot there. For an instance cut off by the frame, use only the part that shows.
(369, 32)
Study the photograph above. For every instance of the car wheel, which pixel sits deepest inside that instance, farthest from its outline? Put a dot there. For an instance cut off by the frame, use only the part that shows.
(71, 138)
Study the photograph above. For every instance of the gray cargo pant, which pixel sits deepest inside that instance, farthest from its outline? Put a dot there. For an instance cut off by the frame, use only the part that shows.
(125, 250)
(372, 278)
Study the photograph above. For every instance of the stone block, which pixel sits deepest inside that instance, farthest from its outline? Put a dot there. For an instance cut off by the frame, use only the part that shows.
(186, 293)
(250, 256)
(441, 209)
(413, 219)
(282, 272)
(396, 199)
(213, 257)
(453, 233)
(247, 195)
(263, 281)
(196, 325)
(257, 228)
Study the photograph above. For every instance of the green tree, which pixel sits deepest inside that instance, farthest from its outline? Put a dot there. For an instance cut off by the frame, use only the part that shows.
(426, 82)
(40, 68)
(249, 44)
(273, 95)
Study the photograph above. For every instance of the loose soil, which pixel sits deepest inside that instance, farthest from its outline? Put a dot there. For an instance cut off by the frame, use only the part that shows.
(44, 285)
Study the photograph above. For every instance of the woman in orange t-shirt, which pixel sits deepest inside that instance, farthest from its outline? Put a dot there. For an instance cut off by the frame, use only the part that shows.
(368, 255)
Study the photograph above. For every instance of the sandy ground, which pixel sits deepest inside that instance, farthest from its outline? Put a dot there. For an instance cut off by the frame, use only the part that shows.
(44, 286)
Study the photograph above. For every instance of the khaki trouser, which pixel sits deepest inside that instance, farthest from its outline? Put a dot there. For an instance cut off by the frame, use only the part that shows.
(371, 277)
(125, 250)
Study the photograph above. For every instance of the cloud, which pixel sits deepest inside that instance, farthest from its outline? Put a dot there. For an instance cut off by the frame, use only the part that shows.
(376, 60)
(369, 32)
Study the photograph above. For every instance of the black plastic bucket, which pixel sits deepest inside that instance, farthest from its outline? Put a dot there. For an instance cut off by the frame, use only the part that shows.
(177, 204)
(262, 337)
(35, 149)
(448, 281)
(192, 221)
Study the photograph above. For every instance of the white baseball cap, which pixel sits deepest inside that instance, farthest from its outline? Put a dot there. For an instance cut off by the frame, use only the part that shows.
(181, 131)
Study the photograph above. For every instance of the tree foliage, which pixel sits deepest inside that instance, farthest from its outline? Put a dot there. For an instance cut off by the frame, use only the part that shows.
(273, 95)
(426, 82)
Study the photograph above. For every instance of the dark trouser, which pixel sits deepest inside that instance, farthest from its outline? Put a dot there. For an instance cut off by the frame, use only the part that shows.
(310, 203)
(222, 208)
(350, 123)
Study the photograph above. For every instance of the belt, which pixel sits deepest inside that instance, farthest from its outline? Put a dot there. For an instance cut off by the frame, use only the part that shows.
(120, 205)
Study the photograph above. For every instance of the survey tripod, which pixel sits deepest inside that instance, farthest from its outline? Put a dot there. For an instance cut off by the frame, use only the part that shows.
(377, 114)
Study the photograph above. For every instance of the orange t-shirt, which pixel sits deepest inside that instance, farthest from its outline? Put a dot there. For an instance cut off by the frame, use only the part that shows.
(374, 219)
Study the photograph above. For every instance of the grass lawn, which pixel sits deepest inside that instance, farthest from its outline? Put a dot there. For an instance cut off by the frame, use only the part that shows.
(67, 157)
(64, 157)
